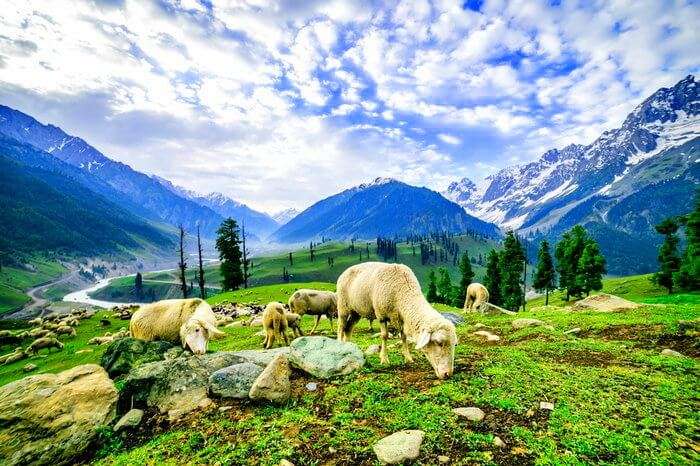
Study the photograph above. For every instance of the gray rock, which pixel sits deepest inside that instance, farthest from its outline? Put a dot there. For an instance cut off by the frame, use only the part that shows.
(471, 413)
(488, 308)
(546, 405)
(498, 443)
(670, 352)
(372, 349)
(261, 357)
(456, 319)
(126, 353)
(399, 447)
(522, 323)
(234, 381)
(489, 337)
(312, 386)
(273, 383)
(573, 331)
(129, 420)
(324, 357)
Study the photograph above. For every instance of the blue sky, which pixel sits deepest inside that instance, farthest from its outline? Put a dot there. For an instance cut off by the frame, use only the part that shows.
(281, 103)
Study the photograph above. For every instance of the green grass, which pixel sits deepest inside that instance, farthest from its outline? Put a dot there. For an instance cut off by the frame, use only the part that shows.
(15, 281)
(267, 293)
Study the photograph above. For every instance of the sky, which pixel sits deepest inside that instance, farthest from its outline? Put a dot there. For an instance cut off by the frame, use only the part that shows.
(279, 103)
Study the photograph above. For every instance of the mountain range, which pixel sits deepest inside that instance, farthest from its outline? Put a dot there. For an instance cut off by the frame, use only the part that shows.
(618, 187)
(384, 207)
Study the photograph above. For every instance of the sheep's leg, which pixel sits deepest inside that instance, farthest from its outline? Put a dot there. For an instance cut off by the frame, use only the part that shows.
(350, 324)
(342, 321)
(270, 339)
(384, 330)
(370, 325)
(318, 319)
(286, 340)
(405, 348)
(330, 320)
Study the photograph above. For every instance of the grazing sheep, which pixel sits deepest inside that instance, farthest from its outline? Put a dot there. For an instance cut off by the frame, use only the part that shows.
(392, 293)
(37, 321)
(274, 322)
(5, 357)
(49, 326)
(42, 343)
(40, 332)
(315, 303)
(294, 323)
(65, 330)
(476, 295)
(101, 340)
(189, 321)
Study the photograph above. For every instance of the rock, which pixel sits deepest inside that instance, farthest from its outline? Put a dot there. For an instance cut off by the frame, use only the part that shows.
(129, 420)
(573, 331)
(670, 352)
(456, 319)
(604, 303)
(262, 357)
(488, 308)
(273, 382)
(173, 353)
(399, 447)
(324, 357)
(522, 323)
(471, 413)
(312, 386)
(488, 336)
(29, 367)
(286, 463)
(53, 418)
(497, 442)
(546, 405)
(479, 325)
(234, 381)
(443, 459)
(372, 349)
(124, 354)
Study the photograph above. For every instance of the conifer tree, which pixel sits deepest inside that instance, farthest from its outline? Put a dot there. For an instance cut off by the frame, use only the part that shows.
(138, 285)
(432, 295)
(568, 252)
(228, 245)
(591, 268)
(466, 277)
(688, 276)
(492, 279)
(544, 279)
(182, 265)
(444, 286)
(511, 263)
(669, 260)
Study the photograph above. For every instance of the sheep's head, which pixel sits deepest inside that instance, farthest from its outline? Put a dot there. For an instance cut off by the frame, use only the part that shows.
(438, 345)
(196, 333)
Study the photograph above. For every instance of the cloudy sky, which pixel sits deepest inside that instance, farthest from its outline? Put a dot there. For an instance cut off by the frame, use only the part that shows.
(281, 103)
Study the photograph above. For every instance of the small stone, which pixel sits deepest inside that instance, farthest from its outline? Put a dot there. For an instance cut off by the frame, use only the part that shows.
(332, 450)
(670, 352)
(223, 409)
(372, 349)
(522, 323)
(471, 413)
(497, 442)
(479, 325)
(286, 463)
(488, 336)
(129, 420)
(399, 447)
(29, 367)
(443, 459)
(529, 413)
(311, 386)
(573, 331)
(546, 405)
(234, 381)
(273, 383)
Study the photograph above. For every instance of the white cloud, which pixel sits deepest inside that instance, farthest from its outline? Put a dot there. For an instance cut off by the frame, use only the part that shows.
(449, 139)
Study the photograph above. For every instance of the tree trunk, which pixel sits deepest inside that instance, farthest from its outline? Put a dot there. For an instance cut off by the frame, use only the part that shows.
(546, 296)
(202, 288)
(182, 265)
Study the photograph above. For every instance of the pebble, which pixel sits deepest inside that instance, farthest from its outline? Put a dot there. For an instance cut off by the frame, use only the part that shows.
(443, 459)
(372, 349)
(670, 352)
(497, 442)
(546, 405)
(311, 386)
(573, 330)
(472, 413)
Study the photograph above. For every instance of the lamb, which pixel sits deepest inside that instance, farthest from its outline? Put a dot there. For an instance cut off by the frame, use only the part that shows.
(65, 330)
(476, 295)
(315, 303)
(274, 321)
(17, 355)
(188, 321)
(392, 293)
(42, 343)
(294, 323)
(101, 340)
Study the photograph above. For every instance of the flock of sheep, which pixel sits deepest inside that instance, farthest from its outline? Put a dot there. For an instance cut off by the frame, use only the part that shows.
(389, 293)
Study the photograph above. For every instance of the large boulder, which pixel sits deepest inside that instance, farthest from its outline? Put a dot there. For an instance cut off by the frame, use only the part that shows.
(53, 418)
(262, 357)
(273, 383)
(488, 308)
(234, 381)
(324, 357)
(456, 319)
(604, 303)
(126, 353)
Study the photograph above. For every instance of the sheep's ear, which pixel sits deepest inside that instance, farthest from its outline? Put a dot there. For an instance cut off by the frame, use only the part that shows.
(214, 333)
(423, 339)
(438, 337)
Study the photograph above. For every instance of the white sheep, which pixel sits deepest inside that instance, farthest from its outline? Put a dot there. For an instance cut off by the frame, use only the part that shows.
(294, 323)
(315, 303)
(393, 295)
(65, 330)
(476, 295)
(274, 321)
(188, 321)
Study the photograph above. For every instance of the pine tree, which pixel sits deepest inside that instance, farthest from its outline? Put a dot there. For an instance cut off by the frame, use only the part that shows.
(511, 263)
(182, 265)
(245, 262)
(544, 275)
(492, 279)
(444, 286)
(591, 268)
(466, 277)
(688, 276)
(432, 288)
(138, 286)
(568, 253)
(228, 245)
(669, 260)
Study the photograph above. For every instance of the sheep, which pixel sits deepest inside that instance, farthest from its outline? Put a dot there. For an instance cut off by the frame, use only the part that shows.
(42, 343)
(223, 320)
(65, 330)
(294, 323)
(274, 324)
(315, 303)
(49, 326)
(392, 293)
(17, 355)
(189, 321)
(101, 340)
(40, 332)
(37, 321)
(476, 295)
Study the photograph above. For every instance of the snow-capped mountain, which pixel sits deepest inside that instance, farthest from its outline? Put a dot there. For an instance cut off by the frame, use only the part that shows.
(384, 207)
(653, 155)
(284, 216)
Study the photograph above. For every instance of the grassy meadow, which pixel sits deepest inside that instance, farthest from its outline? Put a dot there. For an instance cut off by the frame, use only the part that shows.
(15, 281)
(616, 399)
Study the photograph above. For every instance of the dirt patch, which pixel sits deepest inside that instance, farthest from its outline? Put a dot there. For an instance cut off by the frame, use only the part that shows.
(653, 337)
(604, 303)
(579, 357)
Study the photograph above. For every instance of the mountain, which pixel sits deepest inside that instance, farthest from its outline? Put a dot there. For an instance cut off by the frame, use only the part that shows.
(385, 207)
(284, 216)
(133, 189)
(619, 186)
(46, 211)
(258, 224)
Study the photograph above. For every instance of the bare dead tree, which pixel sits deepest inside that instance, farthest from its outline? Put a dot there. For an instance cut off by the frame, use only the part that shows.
(182, 265)
(246, 262)
(200, 275)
